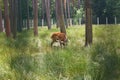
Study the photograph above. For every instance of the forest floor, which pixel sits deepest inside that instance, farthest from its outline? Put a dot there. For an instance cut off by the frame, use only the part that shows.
(32, 58)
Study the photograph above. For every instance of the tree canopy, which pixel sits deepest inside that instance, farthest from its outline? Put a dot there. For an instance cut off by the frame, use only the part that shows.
(101, 8)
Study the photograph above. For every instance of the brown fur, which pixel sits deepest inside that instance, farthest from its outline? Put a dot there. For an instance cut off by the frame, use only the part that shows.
(59, 37)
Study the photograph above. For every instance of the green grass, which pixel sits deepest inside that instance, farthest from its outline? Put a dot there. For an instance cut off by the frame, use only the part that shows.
(31, 58)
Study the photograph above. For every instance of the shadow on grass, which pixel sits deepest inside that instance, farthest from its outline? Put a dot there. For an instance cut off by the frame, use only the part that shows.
(24, 67)
(22, 63)
(106, 61)
(105, 56)
(22, 40)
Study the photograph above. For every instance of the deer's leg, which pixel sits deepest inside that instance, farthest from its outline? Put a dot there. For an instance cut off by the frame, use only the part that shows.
(52, 43)
(61, 44)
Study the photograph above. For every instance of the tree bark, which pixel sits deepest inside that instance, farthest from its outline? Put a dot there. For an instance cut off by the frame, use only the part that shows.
(11, 13)
(79, 4)
(88, 13)
(13, 6)
(19, 24)
(61, 16)
(43, 8)
(47, 6)
(56, 10)
(35, 11)
(68, 11)
(28, 26)
(7, 19)
(65, 13)
(1, 26)
(13, 16)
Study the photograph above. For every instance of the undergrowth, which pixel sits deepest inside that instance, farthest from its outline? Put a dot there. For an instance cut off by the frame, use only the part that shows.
(31, 58)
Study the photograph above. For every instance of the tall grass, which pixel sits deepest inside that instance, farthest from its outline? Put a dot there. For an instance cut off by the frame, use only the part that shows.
(32, 58)
(105, 54)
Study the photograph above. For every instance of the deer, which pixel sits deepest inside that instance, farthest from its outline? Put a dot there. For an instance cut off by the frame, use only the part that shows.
(59, 37)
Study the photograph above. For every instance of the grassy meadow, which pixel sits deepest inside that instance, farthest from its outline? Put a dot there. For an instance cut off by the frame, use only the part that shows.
(32, 58)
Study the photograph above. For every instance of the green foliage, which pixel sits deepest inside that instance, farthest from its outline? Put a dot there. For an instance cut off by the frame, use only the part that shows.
(106, 8)
(101, 8)
(79, 14)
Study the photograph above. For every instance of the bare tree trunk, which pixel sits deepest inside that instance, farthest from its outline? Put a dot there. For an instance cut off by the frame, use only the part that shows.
(56, 10)
(47, 6)
(65, 13)
(15, 8)
(19, 28)
(68, 11)
(11, 13)
(35, 11)
(79, 4)
(13, 20)
(7, 19)
(1, 27)
(28, 26)
(13, 16)
(43, 8)
(88, 12)
(72, 1)
(61, 16)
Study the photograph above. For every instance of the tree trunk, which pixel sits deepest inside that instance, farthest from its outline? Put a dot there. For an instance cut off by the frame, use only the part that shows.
(68, 11)
(73, 3)
(88, 13)
(11, 13)
(19, 24)
(13, 16)
(43, 8)
(47, 6)
(35, 11)
(1, 27)
(56, 10)
(13, 6)
(65, 13)
(7, 19)
(61, 16)
(79, 4)
(28, 27)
